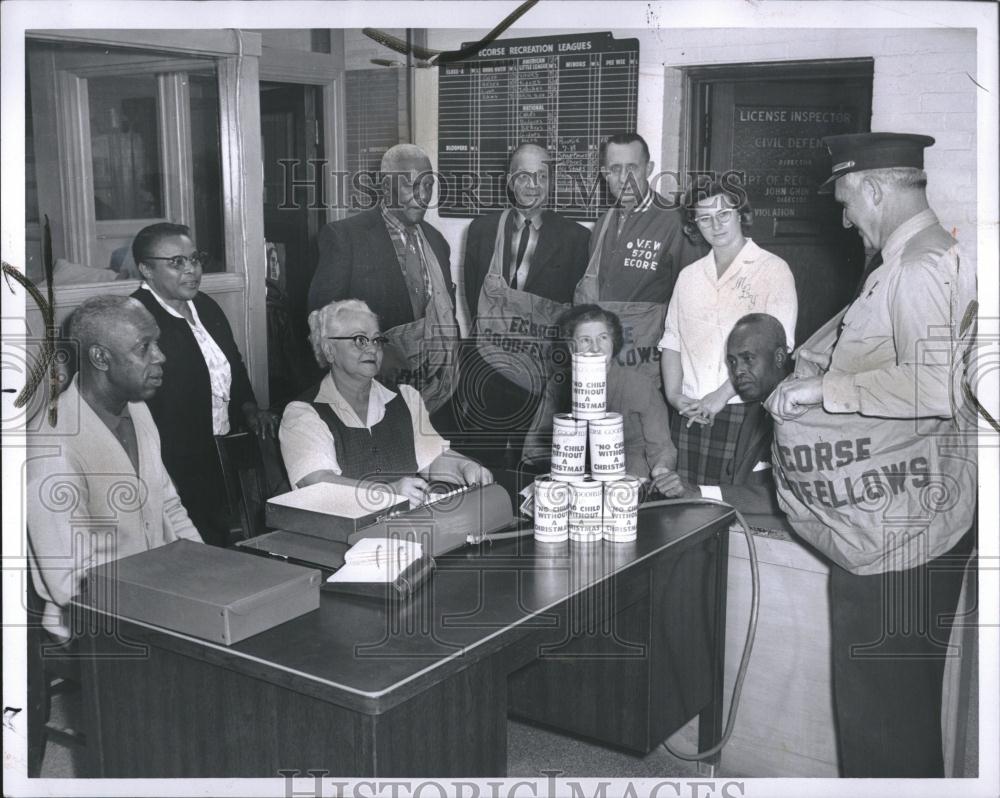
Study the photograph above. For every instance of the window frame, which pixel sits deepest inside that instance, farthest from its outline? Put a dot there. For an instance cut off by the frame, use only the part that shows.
(236, 54)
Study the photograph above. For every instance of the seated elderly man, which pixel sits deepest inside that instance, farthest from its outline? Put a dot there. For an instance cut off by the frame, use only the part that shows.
(757, 360)
(97, 488)
(351, 429)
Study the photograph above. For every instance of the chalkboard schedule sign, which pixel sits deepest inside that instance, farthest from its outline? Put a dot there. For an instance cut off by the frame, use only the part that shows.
(565, 92)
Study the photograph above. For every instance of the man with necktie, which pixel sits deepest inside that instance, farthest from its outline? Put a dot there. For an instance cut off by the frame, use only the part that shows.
(397, 263)
(520, 269)
(893, 505)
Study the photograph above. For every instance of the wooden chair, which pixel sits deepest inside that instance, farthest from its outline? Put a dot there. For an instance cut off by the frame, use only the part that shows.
(253, 473)
(53, 669)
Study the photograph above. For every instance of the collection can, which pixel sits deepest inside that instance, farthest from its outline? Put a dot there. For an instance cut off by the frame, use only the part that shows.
(552, 500)
(607, 447)
(621, 509)
(590, 385)
(569, 447)
(585, 510)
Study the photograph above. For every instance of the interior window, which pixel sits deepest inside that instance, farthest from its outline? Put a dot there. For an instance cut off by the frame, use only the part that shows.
(125, 147)
(122, 138)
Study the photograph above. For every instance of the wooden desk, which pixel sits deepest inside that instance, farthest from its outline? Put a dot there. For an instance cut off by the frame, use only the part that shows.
(619, 642)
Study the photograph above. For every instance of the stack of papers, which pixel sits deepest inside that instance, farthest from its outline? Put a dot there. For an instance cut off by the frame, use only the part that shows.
(377, 560)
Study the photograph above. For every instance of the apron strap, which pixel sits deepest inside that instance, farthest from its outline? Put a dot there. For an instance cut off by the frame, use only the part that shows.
(500, 245)
(594, 264)
(595, 259)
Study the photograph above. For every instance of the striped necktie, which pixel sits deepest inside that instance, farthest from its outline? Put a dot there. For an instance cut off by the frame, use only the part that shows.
(413, 268)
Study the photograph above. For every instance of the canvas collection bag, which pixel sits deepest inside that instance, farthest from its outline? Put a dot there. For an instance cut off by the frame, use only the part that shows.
(881, 494)
(515, 330)
(424, 353)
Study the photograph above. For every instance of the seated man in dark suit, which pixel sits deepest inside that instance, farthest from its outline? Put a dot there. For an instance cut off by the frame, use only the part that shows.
(394, 261)
(757, 358)
(521, 266)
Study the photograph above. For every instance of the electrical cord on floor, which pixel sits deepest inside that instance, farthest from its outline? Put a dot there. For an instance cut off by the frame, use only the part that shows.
(751, 628)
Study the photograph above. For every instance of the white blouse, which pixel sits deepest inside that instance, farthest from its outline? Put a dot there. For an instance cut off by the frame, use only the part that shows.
(307, 444)
(704, 308)
(219, 372)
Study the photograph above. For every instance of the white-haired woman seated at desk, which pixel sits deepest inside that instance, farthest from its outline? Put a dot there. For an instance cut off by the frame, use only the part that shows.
(350, 428)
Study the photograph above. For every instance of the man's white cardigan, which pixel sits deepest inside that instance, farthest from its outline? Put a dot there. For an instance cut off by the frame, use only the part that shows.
(87, 506)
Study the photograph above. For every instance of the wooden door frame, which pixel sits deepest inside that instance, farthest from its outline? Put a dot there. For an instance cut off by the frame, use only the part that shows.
(316, 69)
(236, 54)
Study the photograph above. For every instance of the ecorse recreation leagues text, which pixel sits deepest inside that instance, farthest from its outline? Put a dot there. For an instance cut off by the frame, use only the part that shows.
(534, 49)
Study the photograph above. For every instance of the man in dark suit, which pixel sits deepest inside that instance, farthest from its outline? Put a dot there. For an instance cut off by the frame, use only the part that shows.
(757, 358)
(360, 257)
(559, 255)
(517, 280)
(393, 260)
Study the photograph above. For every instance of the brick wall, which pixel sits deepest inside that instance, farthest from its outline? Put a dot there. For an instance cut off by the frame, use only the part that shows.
(923, 83)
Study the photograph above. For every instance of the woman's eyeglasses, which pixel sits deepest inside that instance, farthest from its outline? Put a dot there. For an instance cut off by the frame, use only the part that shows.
(178, 262)
(722, 217)
(361, 341)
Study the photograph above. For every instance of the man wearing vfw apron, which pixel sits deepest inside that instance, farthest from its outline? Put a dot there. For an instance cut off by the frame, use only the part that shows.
(636, 251)
(393, 260)
(520, 269)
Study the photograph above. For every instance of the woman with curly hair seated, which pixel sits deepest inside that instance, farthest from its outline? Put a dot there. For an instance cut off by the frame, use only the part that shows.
(351, 429)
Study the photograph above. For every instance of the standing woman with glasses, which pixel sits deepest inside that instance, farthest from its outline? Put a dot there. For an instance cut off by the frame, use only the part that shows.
(350, 429)
(206, 391)
(736, 278)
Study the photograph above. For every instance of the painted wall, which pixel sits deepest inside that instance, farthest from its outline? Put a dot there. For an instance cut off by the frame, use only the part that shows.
(923, 83)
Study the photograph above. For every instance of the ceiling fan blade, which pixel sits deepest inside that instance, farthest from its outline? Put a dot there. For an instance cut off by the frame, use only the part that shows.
(400, 46)
(475, 47)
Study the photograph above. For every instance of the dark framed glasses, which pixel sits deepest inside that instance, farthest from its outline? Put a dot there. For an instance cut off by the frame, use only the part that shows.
(196, 259)
(361, 341)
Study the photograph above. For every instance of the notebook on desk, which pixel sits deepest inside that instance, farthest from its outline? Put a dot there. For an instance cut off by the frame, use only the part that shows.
(380, 567)
(298, 549)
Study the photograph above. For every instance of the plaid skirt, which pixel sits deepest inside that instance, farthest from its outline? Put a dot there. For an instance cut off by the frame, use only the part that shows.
(706, 455)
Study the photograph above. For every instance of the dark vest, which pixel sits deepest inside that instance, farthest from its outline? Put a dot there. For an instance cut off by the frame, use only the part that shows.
(383, 454)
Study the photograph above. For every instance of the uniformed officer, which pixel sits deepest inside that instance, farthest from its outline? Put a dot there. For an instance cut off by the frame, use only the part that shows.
(899, 526)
